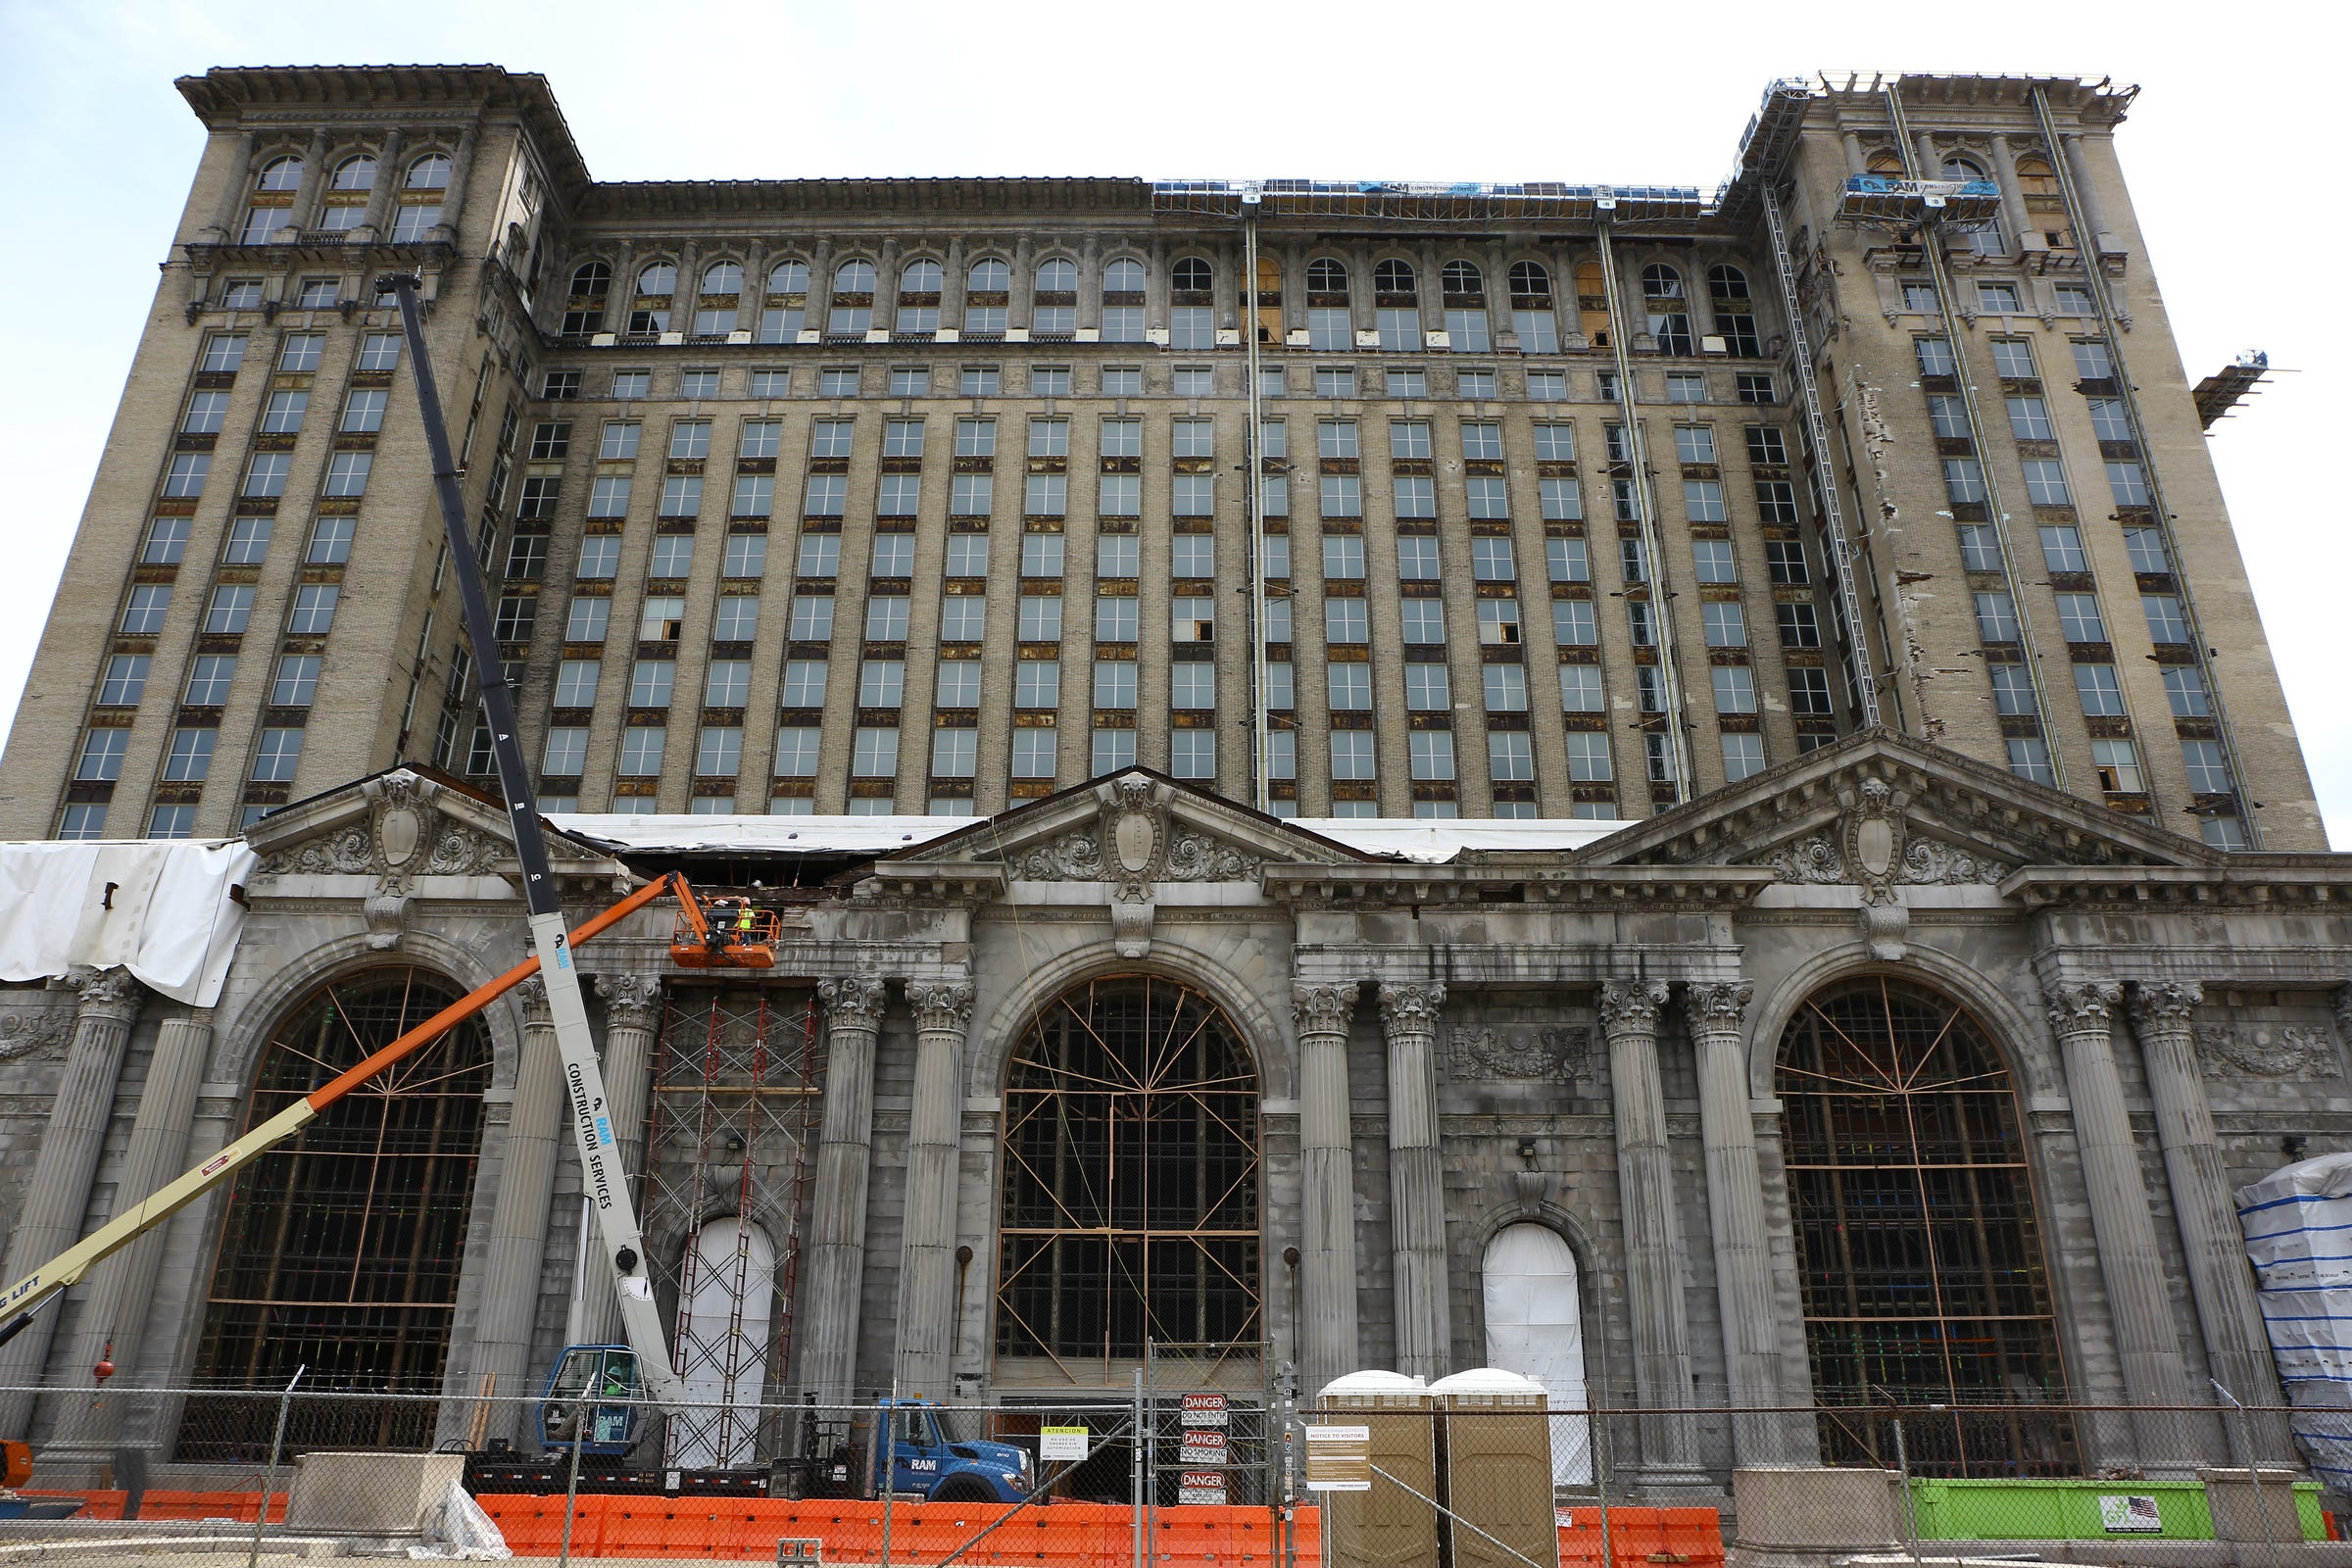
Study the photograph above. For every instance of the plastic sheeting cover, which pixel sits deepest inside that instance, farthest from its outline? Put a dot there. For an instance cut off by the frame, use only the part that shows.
(2298, 1228)
(160, 907)
(1535, 1327)
(455, 1526)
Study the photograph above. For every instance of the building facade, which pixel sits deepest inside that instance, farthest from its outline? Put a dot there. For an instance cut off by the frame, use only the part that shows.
(1196, 540)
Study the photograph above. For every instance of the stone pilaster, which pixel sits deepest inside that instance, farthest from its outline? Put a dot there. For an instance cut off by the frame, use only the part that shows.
(58, 1198)
(1715, 1011)
(837, 1213)
(1629, 1017)
(114, 1317)
(632, 1023)
(2220, 1278)
(942, 1012)
(1326, 1336)
(2082, 1013)
(512, 1262)
(1408, 1016)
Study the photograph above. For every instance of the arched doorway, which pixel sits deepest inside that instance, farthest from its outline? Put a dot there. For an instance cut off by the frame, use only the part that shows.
(1917, 1244)
(727, 1297)
(339, 1251)
(1131, 1193)
(1535, 1327)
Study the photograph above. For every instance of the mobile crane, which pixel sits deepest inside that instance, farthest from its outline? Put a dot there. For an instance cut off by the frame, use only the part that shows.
(737, 935)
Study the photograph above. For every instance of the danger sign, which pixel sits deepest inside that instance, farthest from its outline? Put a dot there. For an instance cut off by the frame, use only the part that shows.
(1203, 1445)
(1203, 1410)
(1200, 1486)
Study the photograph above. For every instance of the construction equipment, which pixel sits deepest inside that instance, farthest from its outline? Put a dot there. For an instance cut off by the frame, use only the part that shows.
(736, 934)
(915, 1455)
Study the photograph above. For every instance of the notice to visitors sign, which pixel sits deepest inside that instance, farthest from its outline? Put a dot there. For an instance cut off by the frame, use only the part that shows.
(1339, 1458)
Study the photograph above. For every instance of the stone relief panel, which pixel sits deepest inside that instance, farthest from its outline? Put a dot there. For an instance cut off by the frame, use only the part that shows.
(1525, 1052)
(2269, 1051)
(35, 1033)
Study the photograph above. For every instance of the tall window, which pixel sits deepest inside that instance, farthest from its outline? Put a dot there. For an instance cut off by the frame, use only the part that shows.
(1917, 1244)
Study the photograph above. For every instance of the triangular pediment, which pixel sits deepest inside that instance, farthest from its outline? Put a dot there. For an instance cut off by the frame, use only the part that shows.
(1940, 817)
(399, 825)
(1133, 826)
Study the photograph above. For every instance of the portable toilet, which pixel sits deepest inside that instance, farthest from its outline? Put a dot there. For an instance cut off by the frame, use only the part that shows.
(1496, 1454)
(1385, 1525)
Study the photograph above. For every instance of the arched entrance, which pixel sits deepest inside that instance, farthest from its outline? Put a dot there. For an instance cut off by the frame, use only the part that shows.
(1535, 1327)
(339, 1251)
(1131, 1193)
(1917, 1244)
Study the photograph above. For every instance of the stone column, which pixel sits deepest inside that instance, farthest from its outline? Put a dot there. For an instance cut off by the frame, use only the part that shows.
(513, 1262)
(2236, 1344)
(1326, 1335)
(632, 1023)
(2080, 1012)
(1408, 1016)
(943, 1010)
(1629, 1017)
(312, 184)
(113, 1315)
(1751, 1346)
(2013, 197)
(58, 1198)
(387, 185)
(1855, 164)
(837, 1213)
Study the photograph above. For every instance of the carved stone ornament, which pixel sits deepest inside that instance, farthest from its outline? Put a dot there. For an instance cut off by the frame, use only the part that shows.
(2082, 1006)
(1552, 1052)
(2162, 1004)
(1075, 857)
(940, 1004)
(531, 995)
(403, 838)
(852, 1002)
(631, 1001)
(1134, 842)
(2268, 1051)
(106, 993)
(30, 1035)
(1131, 911)
(1411, 1008)
(1323, 1007)
(1631, 1006)
(1714, 1007)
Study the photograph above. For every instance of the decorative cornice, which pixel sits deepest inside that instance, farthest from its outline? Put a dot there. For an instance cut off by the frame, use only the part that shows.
(1712, 1006)
(2162, 1004)
(1631, 1006)
(2082, 1006)
(853, 1002)
(1323, 1007)
(944, 1005)
(631, 1001)
(1411, 1007)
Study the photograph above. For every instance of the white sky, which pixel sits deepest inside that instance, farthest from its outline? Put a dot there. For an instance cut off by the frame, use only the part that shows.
(2228, 152)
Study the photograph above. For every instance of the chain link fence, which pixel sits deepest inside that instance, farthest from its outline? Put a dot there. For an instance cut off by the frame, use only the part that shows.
(1173, 1474)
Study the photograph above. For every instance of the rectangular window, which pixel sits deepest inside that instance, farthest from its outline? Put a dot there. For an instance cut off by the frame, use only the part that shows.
(1193, 495)
(1799, 628)
(651, 682)
(166, 542)
(1935, 356)
(1350, 687)
(189, 760)
(1488, 496)
(1963, 481)
(224, 353)
(1050, 438)
(1726, 626)
(718, 750)
(1742, 757)
(2102, 693)
(1702, 501)
(898, 496)
(231, 607)
(1996, 617)
(209, 677)
(1342, 495)
(796, 752)
(1571, 624)
(1712, 558)
(517, 617)
(661, 618)
(886, 619)
(1040, 618)
(1432, 753)
(143, 612)
(2012, 691)
(2108, 419)
(640, 749)
(2166, 622)
(276, 757)
(1045, 495)
(2117, 762)
(1351, 756)
(1426, 688)
(347, 473)
(754, 497)
(588, 618)
(1776, 501)
(1115, 683)
(1510, 755)
(874, 752)
(2128, 482)
(2013, 358)
(2079, 619)
(1589, 758)
(2092, 360)
(1546, 386)
(2208, 768)
(963, 618)
(608, 495)
(1979, 546)
(1424, 620)
(1735, 689)
(735, 618)
(1193, 685)
(313, 610)
(577, 681)
(1036, 683)
(101, 758)
(600, 556)
(981, 380)
(1505, 688)
(1344, 620)
(1115, 618)
(826, 496)
(266, 474)
(126, 681)
(2184, 690)
(804, 684)
(1191, 556)
(971, 495)
(2045, 484)
(299, 353)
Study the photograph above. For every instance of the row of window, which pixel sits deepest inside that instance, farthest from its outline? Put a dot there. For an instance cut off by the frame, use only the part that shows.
(345, 203)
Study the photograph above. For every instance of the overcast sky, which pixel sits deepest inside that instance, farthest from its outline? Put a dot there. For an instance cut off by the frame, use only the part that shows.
(2228, 152)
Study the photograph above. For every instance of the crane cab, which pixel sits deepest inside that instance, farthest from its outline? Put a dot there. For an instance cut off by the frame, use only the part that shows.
(573, 1409)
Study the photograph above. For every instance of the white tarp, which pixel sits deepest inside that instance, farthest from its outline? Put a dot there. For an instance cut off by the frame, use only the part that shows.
(1535, 1327)
(2298, 1228)
(159, 907)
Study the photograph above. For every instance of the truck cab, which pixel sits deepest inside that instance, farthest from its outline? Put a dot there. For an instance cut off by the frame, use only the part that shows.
(916, 1454)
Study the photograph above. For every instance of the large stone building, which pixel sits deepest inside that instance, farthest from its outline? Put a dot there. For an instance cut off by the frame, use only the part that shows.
(1950, 928)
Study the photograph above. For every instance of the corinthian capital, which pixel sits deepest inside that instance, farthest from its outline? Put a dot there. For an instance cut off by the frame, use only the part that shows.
(1323, 1007)
(1711, 1006)
(2083, 1005)
(940, 1004)
(106, 993)
(1631, 1005)
(2164, 1003)
(852, 1002)
(1412, 1007)
(631, 1001)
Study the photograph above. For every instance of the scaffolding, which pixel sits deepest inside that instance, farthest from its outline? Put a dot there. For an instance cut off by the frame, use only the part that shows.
(2220, 392)
(1474, 202)
(729, 1151)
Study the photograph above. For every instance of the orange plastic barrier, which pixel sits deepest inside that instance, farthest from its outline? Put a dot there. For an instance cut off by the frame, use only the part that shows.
(1640, 1536)
(157, 1504)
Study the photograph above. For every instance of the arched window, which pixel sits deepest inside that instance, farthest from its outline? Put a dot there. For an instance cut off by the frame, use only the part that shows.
(1919, 1249)
(714, 310)
(584, 313)
(854, 276)
(1057, 275)
(1535, 1328)
(1987, 237)
(2045, 202)
(345, 206)
(1191, 276)
(1123, 276)
(659, 278)
(724, 278)
(919, 283)
(592, 278)
(340, 1251)
(280, 174)
(1131, 1183)
(1726, 283)
(429, 172)
(1886, 163)
(2034, 178)
(1531, 281)
(1962, 168)
(356, 172)
(1394, 276)
(921, 277)
(788, 277)
(649, 313)
(1326, 274)
(1462, 277)
(1593, 304)
(1662, 282)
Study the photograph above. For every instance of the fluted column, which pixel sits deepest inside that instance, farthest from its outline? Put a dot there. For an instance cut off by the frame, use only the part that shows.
(1629, 1017)
(1326, 1335)
(2082, 1013)
(512, 1261)
(57, 1197)
(943, 1011)
(1715, 1011)
(2013, 197)
(837, 1213)
(2220, 1278)
(113, 1316)
(632, 1023)
(2098, 241)
(1408, 1016)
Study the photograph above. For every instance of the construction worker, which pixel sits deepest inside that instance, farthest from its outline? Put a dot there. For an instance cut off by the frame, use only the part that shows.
(715, 935)
(744, 922)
